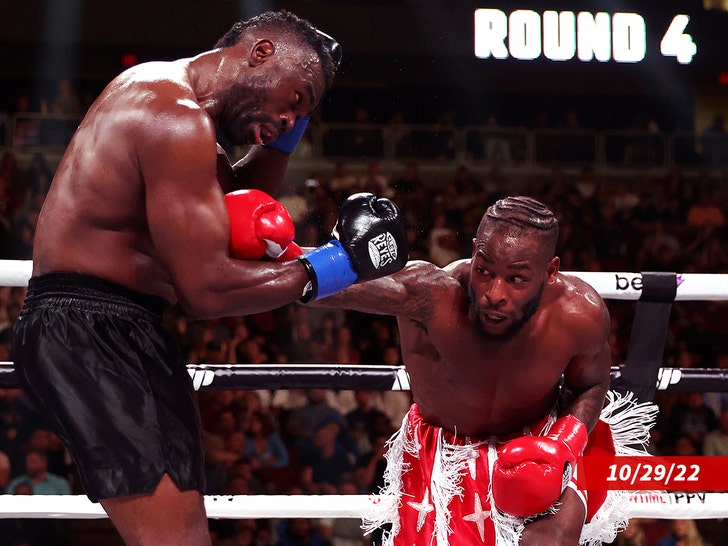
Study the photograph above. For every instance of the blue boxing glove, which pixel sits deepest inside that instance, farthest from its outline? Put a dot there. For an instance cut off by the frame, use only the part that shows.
(370, 241)
(288, 141)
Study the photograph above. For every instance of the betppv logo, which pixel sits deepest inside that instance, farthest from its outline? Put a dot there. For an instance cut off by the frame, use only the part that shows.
(633, 281)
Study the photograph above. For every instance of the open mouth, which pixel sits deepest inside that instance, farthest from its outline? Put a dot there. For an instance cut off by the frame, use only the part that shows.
(267, 133)
(492, 318)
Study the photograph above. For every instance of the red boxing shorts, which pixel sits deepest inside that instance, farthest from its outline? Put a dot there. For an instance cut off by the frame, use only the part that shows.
(437, 484)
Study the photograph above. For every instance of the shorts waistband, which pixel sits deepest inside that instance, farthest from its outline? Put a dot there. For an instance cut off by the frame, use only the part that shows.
(81, 291)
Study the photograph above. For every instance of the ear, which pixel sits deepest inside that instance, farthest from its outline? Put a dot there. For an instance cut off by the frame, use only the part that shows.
(474, 247)
(261, 51)
(553, 269)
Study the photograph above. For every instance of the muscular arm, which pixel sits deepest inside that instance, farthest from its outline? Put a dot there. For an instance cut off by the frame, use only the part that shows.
(587, 377)
(189, 226)
(408, 293)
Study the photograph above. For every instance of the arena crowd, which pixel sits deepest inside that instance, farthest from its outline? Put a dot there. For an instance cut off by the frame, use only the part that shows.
(316, 441)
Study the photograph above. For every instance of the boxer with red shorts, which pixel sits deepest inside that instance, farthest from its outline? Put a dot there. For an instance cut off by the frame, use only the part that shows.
(492, 345)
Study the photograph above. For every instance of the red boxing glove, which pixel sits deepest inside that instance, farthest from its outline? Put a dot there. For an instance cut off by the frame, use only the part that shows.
(531, 472)
(260, 226)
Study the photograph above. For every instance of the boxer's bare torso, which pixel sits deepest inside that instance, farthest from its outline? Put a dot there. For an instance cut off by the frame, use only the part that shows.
(138, 198)
(95, 217)
(477, 384)
(474, 386)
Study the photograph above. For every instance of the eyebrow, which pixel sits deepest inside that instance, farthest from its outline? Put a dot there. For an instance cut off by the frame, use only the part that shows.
(517, 265)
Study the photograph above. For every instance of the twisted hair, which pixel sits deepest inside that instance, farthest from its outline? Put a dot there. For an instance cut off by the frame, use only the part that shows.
(524, 213)
(293, 26)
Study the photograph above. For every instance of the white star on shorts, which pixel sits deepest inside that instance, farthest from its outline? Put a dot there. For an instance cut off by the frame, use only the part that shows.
(478, 517)
(423, 508)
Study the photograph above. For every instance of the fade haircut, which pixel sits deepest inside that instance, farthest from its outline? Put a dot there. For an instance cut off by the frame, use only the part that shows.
(293, 26)
(524, 213)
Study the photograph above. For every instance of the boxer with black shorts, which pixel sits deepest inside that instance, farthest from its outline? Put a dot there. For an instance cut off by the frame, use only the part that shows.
(509, 369)
(137, 219)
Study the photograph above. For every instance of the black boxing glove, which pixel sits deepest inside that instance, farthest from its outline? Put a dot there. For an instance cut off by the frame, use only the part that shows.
(370, 241)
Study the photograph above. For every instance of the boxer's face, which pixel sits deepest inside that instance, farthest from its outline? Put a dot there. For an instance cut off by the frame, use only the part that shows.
(283, 84)
(508, 274)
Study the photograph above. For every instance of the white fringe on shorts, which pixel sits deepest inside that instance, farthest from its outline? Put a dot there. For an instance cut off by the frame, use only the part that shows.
(629, 421)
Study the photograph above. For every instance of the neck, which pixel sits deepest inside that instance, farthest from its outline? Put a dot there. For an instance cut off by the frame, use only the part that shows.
(203, 75)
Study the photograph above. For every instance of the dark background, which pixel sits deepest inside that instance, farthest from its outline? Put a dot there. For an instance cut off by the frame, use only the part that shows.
(413, 56)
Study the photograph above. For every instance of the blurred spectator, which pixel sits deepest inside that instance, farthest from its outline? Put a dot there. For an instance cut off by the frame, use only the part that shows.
(242, 532)
(38, 478)
(17, 422)
(632, 535)
(27, 127)
(587, 183)
(59, 461)
(263, 444)
(691, 417)
(342, 180)
(304, 420)
(242, 479)
(444, 246)
(66, 101)
(218, 456)
(16, 177)
(374, 181)
(643, 145)
(714, 142)
(344, 531)
(300, 532)
(343, 351)
(365, 140)
(362, 420)
(497, 146)
(324, 337)
(706, 213)
(462, 193)
(39, 178)
(370, 466)
(5, 473)
(21, 247)
(326, 464)
(409, 189)
(683, 532)
(623, 198)
(715, 443)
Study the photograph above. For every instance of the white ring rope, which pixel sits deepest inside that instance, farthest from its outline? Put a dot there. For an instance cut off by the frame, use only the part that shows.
(610, 285)
(643, 504)
(646, 504)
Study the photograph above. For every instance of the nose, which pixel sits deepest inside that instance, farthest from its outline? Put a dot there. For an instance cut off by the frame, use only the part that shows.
(287, 121)
(496, 293)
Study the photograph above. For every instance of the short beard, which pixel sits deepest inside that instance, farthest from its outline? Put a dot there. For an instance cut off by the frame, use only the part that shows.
(528, 311)
(249, 99)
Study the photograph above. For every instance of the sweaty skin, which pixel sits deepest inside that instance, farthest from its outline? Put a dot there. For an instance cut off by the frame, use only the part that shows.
(466, 379)
(138, 197)
(478, 386)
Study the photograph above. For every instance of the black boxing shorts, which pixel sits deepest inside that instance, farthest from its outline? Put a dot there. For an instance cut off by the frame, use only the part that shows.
(96, 361)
